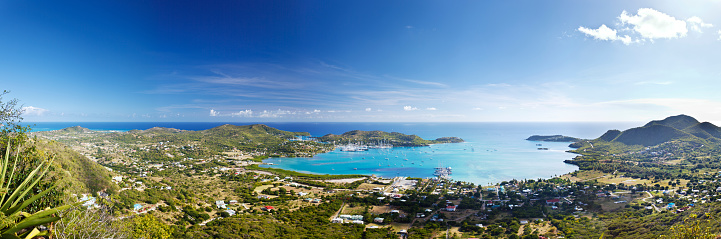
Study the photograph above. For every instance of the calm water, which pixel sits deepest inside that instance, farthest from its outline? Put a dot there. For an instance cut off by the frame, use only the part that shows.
(493, 152)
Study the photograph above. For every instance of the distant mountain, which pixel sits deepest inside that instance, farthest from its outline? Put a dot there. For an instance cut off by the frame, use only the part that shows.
(669, 129)
(553, 138)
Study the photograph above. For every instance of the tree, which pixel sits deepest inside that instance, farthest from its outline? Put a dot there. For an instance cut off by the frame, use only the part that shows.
(692, 228)
(10, 114)
(147, 226)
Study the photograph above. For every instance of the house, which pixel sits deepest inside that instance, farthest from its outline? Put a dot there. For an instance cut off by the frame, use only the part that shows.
(552, 201)
(378, 220)
(524, 222)
(357, 222)
(268, 208)
(220, 204)
(670, 205)
(336, 220)
(451, 208)
(230, 212)
(395, 211)
(233, 202)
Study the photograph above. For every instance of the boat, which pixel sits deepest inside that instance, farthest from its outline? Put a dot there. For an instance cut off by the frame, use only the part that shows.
(442, 172)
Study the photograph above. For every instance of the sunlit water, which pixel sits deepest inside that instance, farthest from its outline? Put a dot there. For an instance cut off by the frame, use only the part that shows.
(493, 152)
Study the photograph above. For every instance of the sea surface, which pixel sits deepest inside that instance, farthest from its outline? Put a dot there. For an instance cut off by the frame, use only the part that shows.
(493, 152)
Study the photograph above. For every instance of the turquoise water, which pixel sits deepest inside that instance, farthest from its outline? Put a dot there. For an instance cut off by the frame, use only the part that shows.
(493, 152)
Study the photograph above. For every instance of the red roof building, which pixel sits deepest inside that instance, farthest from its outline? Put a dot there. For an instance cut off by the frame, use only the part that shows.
(553, 201)
(268, 208)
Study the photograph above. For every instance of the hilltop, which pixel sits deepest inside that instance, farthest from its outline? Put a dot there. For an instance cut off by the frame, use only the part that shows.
(680, 127)
(379, 137)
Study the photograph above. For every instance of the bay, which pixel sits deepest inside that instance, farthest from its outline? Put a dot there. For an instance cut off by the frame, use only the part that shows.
(493, 152)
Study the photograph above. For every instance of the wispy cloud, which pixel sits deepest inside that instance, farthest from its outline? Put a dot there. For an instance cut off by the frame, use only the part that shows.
(697, 24)
(34, 111)
(654, 83)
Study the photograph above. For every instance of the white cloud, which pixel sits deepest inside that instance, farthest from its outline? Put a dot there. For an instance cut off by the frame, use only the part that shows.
(316, 111)
(368, 109)
(214, 113)
(431, 108)
(243, 113)
(34, 111)
(696, 23)
(605, 34)
(409, 108)
(602, 33)
(653, 24)
(646, 24)
(719, 35)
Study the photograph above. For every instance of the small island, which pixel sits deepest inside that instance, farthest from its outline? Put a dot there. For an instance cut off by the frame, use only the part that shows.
(553, 138)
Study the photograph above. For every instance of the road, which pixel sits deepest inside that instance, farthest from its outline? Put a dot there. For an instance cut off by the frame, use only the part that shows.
(652, 204)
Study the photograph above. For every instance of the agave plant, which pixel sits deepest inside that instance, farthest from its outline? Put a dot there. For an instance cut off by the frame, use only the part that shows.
(14, 222)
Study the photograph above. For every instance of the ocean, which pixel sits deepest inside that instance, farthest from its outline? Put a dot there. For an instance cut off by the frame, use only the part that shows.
(493, 152)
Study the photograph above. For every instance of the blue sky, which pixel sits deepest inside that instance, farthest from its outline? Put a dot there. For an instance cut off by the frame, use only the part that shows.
(256, 61)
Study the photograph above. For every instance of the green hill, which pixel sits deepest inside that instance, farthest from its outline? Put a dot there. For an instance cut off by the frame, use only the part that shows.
(380, 137)
(610, 135)
(75, 129)
(679, 122)
(651, 135)
(705, 130)
(680, 127)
